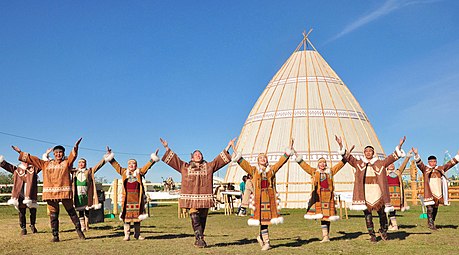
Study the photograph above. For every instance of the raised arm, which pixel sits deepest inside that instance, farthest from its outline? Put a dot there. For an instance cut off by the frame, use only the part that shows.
(284, 158)
(244, 164)
(170, 158)
(451, 163)
(223, 158)
(305, 166)
(110, 157)
(74, 153)
(7, 166)
(398, 153)
(153, 159)
(418, 160)
(29, 159)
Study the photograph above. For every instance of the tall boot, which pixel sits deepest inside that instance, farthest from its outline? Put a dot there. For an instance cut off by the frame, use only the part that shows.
(430, 218)
(33, 219)
(127, 232)
(54, 220)
(203, 220)
(393, 223)
(22, 221)
(265, 236)
(325, 232)
(86, 222)
(434, 213)
(83, 226)
(76, 221)
(383, 224)
(137, 231)
(370, 227)
(196, 223)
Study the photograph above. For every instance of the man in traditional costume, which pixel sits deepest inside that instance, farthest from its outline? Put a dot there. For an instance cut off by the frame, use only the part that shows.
(133, 196)
(371, 192)
(396, 191)
(435, 184)
(265, 202)
(57, 185)
(24, 193)
(197, 183)
(321, 205)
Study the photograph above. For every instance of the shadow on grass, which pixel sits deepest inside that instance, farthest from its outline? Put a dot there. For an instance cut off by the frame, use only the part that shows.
(447, 226)
(402, 235)
(238, 242)
(169, 236)
(297, 242)
(347, 235)
(407, 226)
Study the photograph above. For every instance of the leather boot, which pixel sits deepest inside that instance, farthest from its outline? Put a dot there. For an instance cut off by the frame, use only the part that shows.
(127, 232)
(265, 236)
(430, 219)
(370, 227)
(83, 226)
(76, 221)
(434, 213)
(383, 224)
(137, 231)
(86, 223)
(33, 219)
(393, 224)
(203, 220)
(22, 221)
(54, 220)
(196, 223)
(325, 233)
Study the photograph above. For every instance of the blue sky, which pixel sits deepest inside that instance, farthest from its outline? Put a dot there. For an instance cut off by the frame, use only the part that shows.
(124, 74)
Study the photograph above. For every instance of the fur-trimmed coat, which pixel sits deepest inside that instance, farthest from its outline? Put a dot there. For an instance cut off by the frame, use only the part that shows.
(137, 174)
(317, 200)
(433, 188)
(57, 183)
(93, 199)
(371, 191)
(25, 186)
(197, 178)
(265, 203)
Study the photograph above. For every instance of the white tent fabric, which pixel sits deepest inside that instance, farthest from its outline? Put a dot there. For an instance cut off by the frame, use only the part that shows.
(308, 101)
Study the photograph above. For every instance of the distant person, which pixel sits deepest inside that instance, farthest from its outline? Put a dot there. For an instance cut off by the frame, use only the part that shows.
(24, 193)
(197, 183)
(133, 199)
(248, 193)
(396, 191)
(321, 205)
(265, 204)
(57, 185)
(242, 189)
(371, 192)
(435, 186)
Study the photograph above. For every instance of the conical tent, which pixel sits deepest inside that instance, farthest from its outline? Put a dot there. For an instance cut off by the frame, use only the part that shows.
(305, 100)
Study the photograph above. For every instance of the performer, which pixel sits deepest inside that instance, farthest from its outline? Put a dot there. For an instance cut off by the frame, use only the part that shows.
(435, 184)
(321, 205)
(24, 193)
(57, 185)
(197, 179)
(396, 191)
(264, 203)
(133, 198)
(240, 209)
(371, 191)
(248, 191)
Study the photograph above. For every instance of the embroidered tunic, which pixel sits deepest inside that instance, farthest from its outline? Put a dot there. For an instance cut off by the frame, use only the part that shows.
(434, 190)
(197, 178)
(265, 202)
(394, 181)
(133, 196)
(25, 188)
(371, 190)
(57, 184)
(84, 184)
(321, 205)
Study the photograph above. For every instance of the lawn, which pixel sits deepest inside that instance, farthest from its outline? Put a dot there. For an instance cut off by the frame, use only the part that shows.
(166, 234)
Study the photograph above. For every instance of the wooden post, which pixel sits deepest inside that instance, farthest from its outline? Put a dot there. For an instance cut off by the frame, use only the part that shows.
(115, 196)
(414, 184)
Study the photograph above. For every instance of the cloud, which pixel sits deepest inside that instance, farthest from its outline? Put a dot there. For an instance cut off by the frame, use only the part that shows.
(388, 7)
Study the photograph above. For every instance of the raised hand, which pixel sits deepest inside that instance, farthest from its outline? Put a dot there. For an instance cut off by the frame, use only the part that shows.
(156, 152)
(109, 150)
(339, 140)
(15, 148)
(351, 149)
(78, 142)
(230, 144)
(164, 142)
(415, 150)
(48, 151)
(292, 141)
(401, 142)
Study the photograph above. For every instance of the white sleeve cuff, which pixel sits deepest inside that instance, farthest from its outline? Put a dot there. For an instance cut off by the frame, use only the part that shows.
(1, 158)
(289, 151)
(154, 157)
(417, 158)
(237, 157)
(299, 158)
(45, 157)
(109, 157)
(400, 152)
(457, 157)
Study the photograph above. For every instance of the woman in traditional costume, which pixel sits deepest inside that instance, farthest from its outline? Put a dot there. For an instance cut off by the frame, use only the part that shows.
(265, 203)
(197, 184)
(435, 184)
(321, 205)
(133, 196)
(371, 192)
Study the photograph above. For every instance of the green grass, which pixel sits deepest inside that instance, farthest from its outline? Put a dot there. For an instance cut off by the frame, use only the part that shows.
(166, 234)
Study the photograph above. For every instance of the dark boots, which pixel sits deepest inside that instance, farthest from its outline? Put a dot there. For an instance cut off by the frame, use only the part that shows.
(76, 221)
(383, 224)
(370, 227)
(54, 220)
(198, 230)
(431, 215)
(33, 219)
(22, 221)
